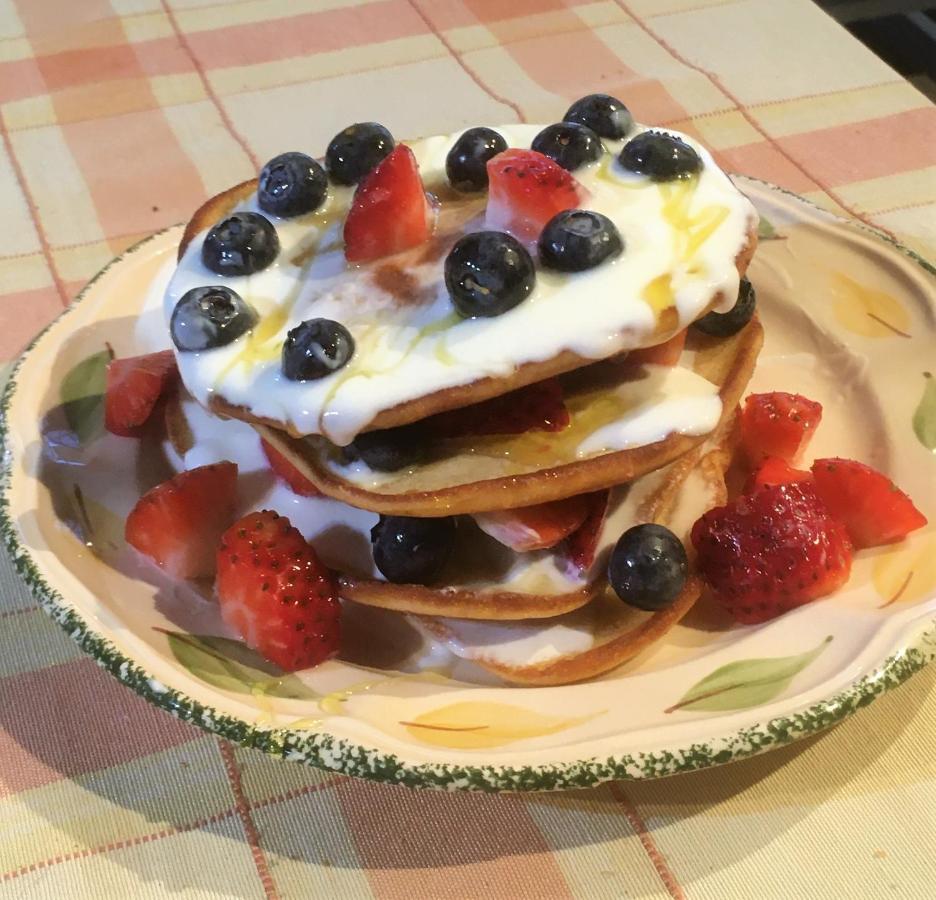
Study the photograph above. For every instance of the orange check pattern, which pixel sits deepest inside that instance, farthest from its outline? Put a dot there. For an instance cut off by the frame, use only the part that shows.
(118, 117)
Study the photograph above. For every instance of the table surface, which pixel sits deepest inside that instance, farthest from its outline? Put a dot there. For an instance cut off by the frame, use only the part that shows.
(118, 118)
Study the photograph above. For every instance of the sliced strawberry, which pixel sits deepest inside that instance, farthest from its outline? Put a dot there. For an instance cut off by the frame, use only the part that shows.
(535, 527)
(134, 385)
(536, 407)
(526, 189)
(775, 471)
(286, 471)
(875, 511)
(276, 594)
(665, 354)
(777, 424)
(178, 523)
(581, 546)
(390, 211)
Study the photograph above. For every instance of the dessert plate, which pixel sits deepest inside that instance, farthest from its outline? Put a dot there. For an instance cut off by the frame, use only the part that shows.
(850, 320)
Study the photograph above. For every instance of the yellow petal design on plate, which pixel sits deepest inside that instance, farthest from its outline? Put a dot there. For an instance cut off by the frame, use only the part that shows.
(868, 312)
(477, 725)
(906, 574)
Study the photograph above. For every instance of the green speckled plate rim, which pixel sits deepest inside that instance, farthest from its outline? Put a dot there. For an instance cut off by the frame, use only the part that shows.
(328, 752)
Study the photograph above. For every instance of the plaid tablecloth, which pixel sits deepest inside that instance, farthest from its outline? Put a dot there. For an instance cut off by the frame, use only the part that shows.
(118, 118)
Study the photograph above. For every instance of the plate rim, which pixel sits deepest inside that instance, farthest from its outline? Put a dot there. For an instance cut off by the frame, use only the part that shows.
(350, 758)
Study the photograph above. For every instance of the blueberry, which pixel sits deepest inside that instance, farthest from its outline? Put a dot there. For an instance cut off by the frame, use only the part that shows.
(240, 245)
(388, 449)
(316, 348)
(605, 115)
(731, 322)
(578, 239)
(209, 317)
(659, 156)
(291, 184)
(488, 273)
(412, 551)
(354, 151)
(466, 163)
(648, 567)
(569, 144)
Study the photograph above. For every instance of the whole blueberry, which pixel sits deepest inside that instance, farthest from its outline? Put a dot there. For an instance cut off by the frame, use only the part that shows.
(660, 156)
(603, 114)
(725, 324)
(488, 273)
(648, 567)
(291, 184)
(466, 163)
(241, 244)
(388, 449)
(316, 348)
(355, 150)
(578, 239)
(569, 144)
(209, 317)
(412, 551)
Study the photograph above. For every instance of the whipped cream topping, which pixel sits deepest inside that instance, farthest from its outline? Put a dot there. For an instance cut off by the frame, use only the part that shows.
(681, 240)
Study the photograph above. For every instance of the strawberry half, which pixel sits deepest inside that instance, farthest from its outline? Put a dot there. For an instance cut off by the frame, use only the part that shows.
(772, 550)
(526, 189)
(777, 424)
(390, 211)
(535, 527)
(178, 523)
(875, 511)
(775, 471)
(286, 471)
(581, 546)
(276, 594)
(134, 385)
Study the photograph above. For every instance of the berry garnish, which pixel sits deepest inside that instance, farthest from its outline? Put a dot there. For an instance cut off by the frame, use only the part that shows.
(412, 551)
(133, 387)
(725, 324)
(774, 470)
(581, 546)
(578, 239)
(660, 156)
(603, 114)
(777, 424)
(466, 163)
(772, 550)
(355, 150)
(570, 144)
(526, 190)
(390, 211)
(276, 594)
(178, 523)
(875, 511)
(209, 317)
(535, 527)
(316, 348)
(287, 472)
(488, 273)
(240, 245)
(648, 567)
(291, 184)
(388, 449)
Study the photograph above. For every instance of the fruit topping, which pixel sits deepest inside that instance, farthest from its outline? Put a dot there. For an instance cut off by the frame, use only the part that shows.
(570, 144)
(291, 184)
(390, 211)
(412, 551)
(389, 449)
(578, 239)
(178, 523)
(665, 354)
(648, 567)
(240, 245)
(133, 387)
(660, 156)
(774, 470)
(603, 114)
(316, 348)
(488, 273)
(772, 550)
(581, 546)
(357, 149)
(287, 472)
(466, 163)
(777, 424)
(209, 317)
(534, 527)
(725, 324)
(526, 190)
(276, 594)
(875, 511)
